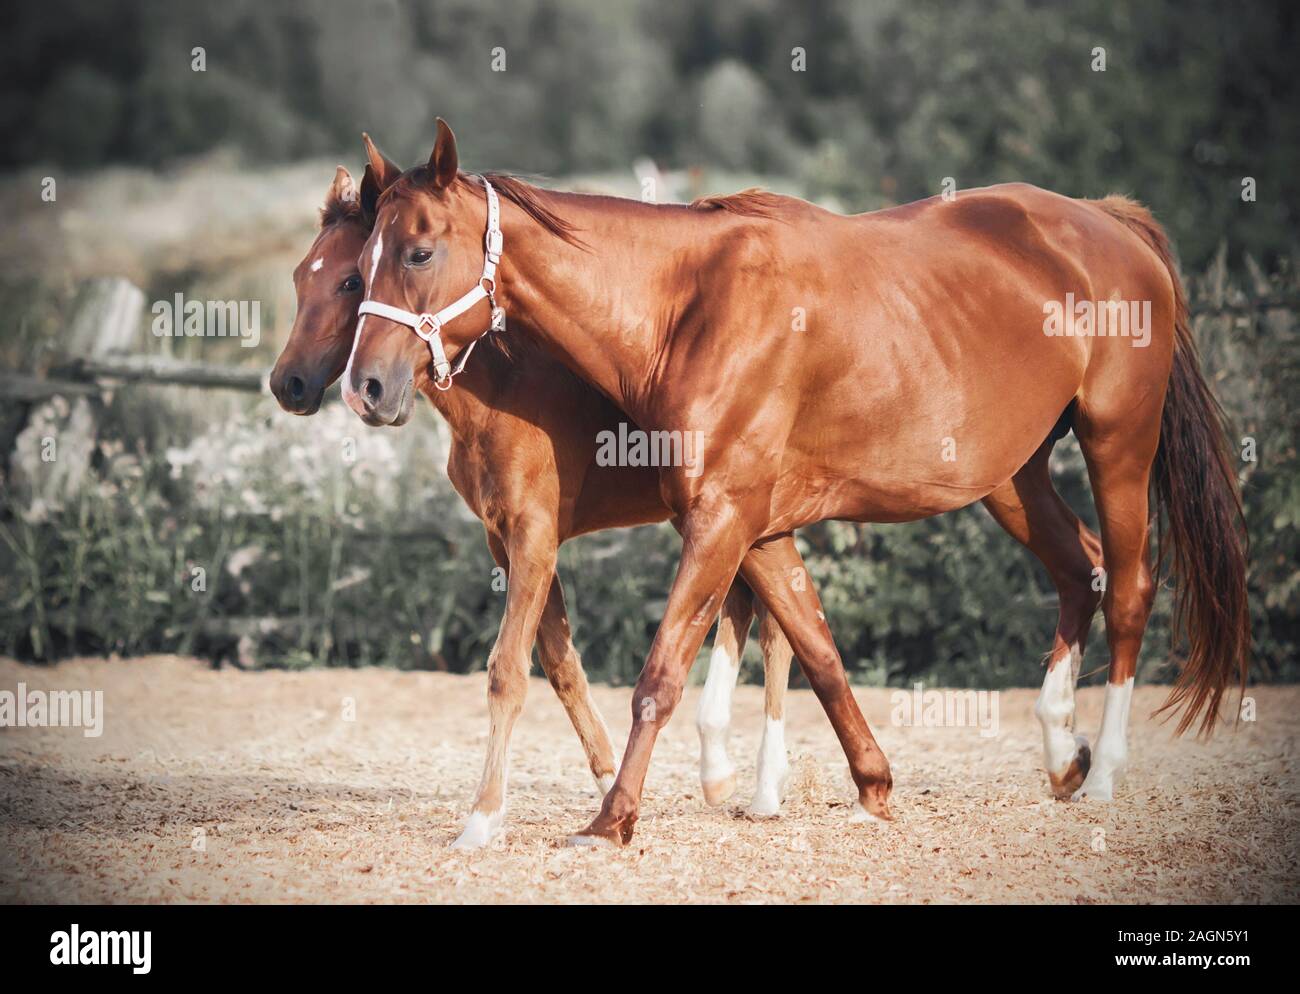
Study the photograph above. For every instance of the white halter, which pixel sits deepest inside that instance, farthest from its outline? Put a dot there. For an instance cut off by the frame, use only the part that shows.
(429, 326)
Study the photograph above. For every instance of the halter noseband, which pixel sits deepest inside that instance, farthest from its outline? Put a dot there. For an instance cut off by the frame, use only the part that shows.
(429, 326)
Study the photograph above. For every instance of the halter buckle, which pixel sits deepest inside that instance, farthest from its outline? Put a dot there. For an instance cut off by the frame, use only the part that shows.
(433, 325)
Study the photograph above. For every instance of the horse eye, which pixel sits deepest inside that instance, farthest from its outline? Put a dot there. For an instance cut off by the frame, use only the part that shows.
(420, 256)
(350, 285)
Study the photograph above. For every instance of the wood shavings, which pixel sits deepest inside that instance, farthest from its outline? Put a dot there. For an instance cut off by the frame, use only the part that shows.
(251, 787)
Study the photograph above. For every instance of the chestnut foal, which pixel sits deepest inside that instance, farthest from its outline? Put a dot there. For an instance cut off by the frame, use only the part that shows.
(531, 495)
(883, 367)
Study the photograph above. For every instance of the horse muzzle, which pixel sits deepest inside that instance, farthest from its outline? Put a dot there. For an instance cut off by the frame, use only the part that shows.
(297, 392)
(380, 400)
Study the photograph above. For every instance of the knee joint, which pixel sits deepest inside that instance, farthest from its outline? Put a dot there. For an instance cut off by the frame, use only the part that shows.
(567, 683)
(655, 705)
(507, 684)
(1127, 614)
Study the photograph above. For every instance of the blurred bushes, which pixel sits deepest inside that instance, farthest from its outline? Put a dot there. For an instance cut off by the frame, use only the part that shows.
(321, 541)
(308, 557)
(894, 95)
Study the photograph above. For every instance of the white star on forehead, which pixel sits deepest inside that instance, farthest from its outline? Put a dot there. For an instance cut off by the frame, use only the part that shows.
(315, 266)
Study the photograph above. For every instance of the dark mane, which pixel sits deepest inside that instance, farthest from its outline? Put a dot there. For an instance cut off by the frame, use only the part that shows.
(747, 203)
(335, 211)
(523, 195)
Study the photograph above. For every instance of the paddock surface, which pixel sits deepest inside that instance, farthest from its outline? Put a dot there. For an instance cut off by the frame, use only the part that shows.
(250, 787)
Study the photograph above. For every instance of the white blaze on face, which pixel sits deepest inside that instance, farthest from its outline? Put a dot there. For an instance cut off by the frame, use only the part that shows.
(375, 255)
(1055, 709)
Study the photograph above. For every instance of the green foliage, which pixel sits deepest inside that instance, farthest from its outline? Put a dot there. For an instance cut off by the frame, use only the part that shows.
(312, 555)
(893, 96)
(310, 558)
(163, 544)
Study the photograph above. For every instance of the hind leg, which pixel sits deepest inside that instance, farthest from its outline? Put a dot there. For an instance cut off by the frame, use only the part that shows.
(770, 570)
(713, 719)
(773, 764)
(1033, 513)
(1120, 452)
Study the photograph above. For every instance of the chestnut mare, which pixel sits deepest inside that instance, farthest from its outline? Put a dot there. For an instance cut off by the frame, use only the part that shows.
(328, 285)
(882, 367)
(522, 456)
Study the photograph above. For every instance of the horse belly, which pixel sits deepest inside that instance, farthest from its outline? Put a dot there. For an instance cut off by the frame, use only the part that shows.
(619, 497)
(938, 428)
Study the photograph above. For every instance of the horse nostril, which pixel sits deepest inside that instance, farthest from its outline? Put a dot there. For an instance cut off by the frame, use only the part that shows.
(372, 390)
(297, 388)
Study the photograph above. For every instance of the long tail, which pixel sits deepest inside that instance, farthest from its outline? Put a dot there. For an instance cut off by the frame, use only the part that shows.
(1196, 489)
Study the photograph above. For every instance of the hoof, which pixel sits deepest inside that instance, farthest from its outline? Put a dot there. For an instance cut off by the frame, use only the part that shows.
(719, 791)
(1095, 789)
(581, 841)
(862, 814)
(1067, 784)
(606, 830)
(873, 801)
(769, 792)
(479, 831)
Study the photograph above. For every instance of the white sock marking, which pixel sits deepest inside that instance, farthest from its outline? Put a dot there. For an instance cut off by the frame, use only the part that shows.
(714, 716)
(1111, 755)
(589, 842)
(773, 770)
(862, 814)
(480, 829)
(1055, 711)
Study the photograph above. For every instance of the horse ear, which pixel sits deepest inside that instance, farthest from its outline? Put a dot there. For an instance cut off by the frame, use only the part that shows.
(385, 170)
(370, 192)
(341, 199)
(443, 160)
(342, 191)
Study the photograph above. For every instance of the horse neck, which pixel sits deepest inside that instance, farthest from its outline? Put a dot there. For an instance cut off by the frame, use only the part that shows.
(470, 400)
(598, 309)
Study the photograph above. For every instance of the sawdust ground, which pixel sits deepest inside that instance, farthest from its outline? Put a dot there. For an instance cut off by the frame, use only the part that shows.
(250, 787)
